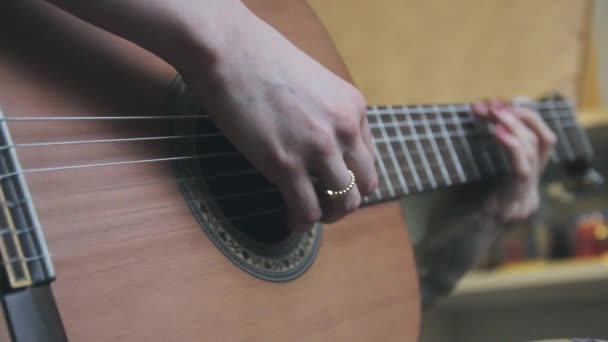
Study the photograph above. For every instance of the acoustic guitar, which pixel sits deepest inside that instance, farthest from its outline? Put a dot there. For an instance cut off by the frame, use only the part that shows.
(119, 191)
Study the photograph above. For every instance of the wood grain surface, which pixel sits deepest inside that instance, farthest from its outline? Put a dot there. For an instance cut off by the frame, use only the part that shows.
(412, 51)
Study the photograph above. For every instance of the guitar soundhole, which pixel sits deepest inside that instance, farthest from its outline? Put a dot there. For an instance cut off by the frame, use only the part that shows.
(239, 210)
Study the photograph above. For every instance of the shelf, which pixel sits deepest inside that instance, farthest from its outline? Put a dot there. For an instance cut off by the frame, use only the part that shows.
(532, 283)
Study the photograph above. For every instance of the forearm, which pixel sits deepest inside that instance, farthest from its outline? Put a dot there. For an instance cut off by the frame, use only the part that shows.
(174, 30)
(457, 239)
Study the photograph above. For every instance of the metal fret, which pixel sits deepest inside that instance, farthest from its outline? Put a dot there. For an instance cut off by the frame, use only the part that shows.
(425, 162)
(453, 154)
(441, 129)
(405, 151)
(559, 130)
(396, 164)
(564, 121)
(538, 105)
(438, 156)
(465, 143)
(380, 160)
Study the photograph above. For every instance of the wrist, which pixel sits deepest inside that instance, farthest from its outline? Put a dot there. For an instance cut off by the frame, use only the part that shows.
(206, 39)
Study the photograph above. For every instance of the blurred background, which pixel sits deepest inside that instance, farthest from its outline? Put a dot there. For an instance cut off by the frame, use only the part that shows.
(549, 277)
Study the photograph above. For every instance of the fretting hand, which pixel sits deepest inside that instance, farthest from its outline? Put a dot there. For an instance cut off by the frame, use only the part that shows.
(528, 142)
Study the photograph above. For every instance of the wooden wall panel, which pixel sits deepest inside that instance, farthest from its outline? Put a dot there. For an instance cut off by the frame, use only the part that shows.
(412, 51)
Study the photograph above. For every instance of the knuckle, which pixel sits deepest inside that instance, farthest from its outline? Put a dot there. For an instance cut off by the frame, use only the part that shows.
(281, 164)
(359, 102)
(348, 128)
(324, 145)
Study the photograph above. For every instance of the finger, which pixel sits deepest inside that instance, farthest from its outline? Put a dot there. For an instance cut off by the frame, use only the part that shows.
(521, 164)
(366, 135)
(481, 108)
(334, 176)
(497, 105)
(361, 162)
(303, 207)
(546, 137)
(527, 138)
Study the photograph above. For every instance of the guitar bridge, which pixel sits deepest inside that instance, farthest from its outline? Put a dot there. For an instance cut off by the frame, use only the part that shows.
(25, 256)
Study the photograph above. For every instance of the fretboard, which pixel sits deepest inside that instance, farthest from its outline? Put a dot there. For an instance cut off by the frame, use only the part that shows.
(428, 147)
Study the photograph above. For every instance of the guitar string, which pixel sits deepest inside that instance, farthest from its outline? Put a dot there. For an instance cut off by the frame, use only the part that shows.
(282, 208)
(555, 105)
(254, 171)
(275, 210)
(567, 120)
(250, 171)
(218, 198)
(233, 218)
(428, 136)
(201, 156)
(150, 138)
(266, 212)
(382, 156)
(566, 123)
(176, 158)
(467, 132)
(225, 219)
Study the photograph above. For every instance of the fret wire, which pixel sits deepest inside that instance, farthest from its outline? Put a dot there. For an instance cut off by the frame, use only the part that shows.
(437, 155)
(26, 259)
(539, 106)
(4, 230)
(267, 190)
(579, 138)
(426, 185)
(561, 133)
(455, 157)
(19, 231)
(457, 122)
(559, 148)
(382, 168)
(406, 153)
(396, 165)
(429, 174)
(569, 122)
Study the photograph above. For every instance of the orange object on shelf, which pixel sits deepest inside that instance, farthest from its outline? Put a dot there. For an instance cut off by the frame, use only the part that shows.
(591, 235)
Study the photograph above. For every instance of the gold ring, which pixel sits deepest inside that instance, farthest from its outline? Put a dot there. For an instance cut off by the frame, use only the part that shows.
(339, 193)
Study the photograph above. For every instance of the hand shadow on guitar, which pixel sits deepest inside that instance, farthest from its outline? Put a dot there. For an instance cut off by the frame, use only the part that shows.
(86, 68)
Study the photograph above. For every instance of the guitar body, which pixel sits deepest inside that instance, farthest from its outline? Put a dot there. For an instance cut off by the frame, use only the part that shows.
(132, 262)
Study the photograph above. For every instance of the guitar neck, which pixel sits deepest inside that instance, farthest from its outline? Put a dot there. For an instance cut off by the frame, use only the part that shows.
(428, 147)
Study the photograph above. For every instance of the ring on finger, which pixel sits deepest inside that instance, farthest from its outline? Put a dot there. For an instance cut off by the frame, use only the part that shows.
(333, 194)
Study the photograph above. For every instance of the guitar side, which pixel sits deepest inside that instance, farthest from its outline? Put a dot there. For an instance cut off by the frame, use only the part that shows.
(131, 261)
